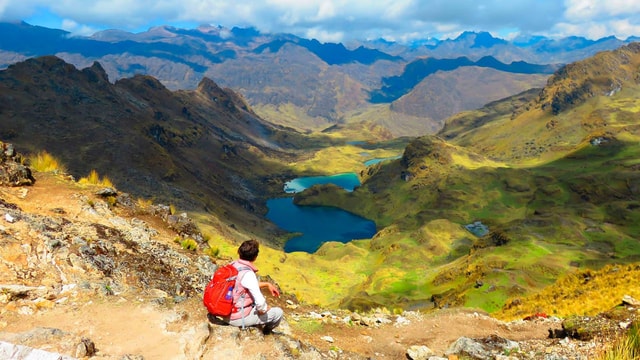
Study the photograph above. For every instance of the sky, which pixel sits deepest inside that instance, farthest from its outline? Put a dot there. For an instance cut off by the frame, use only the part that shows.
(341, 20)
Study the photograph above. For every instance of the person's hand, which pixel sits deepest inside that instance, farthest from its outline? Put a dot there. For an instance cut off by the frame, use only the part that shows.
(274, 290)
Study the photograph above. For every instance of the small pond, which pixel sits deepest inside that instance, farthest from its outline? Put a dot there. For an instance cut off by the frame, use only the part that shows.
(378, 160)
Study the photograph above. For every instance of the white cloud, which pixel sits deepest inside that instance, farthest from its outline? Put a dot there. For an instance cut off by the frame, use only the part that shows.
(77, 29)
(325, 36)
(624, 28)
(326, 10)
(580, 10)
(347, 19)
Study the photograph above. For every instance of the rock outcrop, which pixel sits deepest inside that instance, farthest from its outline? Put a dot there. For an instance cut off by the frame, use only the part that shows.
(12, 170)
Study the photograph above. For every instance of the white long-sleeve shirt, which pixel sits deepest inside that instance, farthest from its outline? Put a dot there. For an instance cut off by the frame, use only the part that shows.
(250, 282)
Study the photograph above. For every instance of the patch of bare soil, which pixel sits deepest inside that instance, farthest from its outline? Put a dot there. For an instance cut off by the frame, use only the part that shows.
(119, 327)
(437, 330)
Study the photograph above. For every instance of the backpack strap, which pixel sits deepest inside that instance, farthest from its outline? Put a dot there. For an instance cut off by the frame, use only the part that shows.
(242, 270)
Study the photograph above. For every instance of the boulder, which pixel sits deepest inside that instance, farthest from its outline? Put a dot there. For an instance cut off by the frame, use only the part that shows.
(419, 352)
(12, 171)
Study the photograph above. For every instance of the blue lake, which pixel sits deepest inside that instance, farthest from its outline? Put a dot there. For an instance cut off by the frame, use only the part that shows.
(347, 181)
(318, 224)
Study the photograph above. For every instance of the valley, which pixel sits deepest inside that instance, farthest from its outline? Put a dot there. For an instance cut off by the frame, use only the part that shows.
(549, 207)
(548, 163)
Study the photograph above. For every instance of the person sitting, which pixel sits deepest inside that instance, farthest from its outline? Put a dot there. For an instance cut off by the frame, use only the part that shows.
(250, 305)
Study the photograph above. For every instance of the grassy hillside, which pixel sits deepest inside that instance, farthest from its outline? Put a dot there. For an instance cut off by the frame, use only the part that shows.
(557, 191)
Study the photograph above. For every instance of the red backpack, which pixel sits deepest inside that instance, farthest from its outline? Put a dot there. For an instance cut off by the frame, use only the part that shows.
(218, 295)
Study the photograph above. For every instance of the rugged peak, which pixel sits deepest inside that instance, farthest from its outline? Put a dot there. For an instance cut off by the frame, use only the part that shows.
(50, 63)
(225, 97)
(96, 73)
(145, 81)
(210, 88)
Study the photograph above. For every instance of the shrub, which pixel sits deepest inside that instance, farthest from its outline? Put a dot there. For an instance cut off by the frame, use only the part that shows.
(144, 204)
(189, 244)
(111, 200)
(626, 347)
(212, 252)
(94, 179)
(45, 162)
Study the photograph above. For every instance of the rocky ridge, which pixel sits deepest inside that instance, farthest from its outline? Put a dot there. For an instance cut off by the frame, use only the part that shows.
(86, 272)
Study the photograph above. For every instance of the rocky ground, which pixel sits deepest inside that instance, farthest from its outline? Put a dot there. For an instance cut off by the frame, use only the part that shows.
(87, 272)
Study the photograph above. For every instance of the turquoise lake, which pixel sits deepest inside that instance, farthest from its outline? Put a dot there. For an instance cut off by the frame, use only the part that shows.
(318, 224)
(347, 181)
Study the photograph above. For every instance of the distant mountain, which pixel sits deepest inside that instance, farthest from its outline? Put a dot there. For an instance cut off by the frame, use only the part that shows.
(332, 54)
(396, 86)
(477, 40)
(531, 49)
(303, 83)
(444, 94)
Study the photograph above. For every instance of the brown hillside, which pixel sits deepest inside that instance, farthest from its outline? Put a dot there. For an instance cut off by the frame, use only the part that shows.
(588, 99)
(444, 94)
(294, 87)
(604, 74)
(185, 147)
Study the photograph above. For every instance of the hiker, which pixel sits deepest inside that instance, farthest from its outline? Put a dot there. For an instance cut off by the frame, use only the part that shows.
(251, 305)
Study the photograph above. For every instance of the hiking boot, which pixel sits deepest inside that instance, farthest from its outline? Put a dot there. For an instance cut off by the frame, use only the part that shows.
(215, 320)
(271, 332)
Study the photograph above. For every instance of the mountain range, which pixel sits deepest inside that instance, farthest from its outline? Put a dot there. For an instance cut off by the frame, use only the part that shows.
(552, 172)
(309, 85)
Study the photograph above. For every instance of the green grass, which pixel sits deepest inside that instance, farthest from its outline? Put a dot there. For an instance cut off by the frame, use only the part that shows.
(308, 326)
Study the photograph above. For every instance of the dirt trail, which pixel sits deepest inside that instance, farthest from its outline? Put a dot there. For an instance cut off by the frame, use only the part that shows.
(120, 327)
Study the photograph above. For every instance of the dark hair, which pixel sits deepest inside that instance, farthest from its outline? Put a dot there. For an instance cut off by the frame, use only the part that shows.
(248, 250)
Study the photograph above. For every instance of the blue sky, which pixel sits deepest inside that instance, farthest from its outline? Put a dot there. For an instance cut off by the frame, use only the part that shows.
(341, 20)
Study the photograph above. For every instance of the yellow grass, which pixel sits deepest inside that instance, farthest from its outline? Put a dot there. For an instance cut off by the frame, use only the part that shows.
(144, 203)
(627, 347)
(94, 179)
(339, 159)
(45, 162)
(584, 292)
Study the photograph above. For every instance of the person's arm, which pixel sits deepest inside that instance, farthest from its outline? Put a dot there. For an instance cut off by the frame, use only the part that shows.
(250, 282)
(272, 289)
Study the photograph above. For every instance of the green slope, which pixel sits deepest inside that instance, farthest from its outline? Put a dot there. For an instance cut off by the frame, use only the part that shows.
(558, 190)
